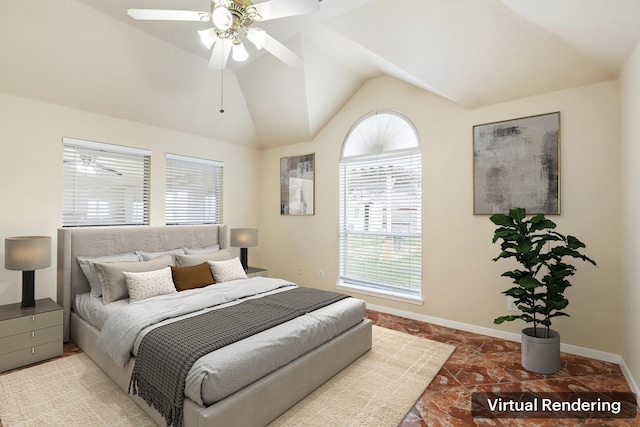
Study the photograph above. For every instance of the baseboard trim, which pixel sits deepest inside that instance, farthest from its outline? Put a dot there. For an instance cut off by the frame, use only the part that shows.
(510, 336)
(632, 383)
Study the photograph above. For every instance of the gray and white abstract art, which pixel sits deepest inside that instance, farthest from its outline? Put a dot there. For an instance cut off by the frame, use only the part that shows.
(516, 165)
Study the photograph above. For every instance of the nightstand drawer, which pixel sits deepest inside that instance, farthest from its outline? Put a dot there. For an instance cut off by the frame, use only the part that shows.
(30, 323)
(30, 339)
(30, 355)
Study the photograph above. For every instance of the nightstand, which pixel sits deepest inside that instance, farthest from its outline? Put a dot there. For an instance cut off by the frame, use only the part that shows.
(255, 272)
(29, 335)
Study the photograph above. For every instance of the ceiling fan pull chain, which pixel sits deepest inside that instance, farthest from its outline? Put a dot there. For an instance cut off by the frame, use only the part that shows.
(222, 91)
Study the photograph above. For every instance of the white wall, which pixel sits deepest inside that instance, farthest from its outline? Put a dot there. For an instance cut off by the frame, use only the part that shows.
(630, 125)
(460, 282)
(31, 174)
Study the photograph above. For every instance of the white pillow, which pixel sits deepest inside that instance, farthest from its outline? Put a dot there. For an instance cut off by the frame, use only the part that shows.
(149, 284)
(224, 271)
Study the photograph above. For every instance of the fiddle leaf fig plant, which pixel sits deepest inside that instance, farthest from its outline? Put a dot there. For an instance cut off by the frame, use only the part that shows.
(543, 271)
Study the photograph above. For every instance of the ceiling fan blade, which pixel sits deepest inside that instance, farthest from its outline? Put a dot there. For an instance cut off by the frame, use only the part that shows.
(220, 54)
(168, 15)
(273, 9)
(282, 52)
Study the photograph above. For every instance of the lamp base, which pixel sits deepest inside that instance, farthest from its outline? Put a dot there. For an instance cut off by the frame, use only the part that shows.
(243, 258)
(28, 291)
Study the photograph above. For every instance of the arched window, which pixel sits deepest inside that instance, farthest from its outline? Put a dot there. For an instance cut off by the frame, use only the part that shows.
(381, 206)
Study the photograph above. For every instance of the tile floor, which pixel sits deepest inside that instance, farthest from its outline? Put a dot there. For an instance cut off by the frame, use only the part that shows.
(487, 364)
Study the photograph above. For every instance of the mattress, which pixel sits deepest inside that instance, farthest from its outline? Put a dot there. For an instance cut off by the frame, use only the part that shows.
(227, 370)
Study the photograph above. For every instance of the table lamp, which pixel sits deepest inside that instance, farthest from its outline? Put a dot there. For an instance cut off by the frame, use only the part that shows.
(244, 238)
(26, 254)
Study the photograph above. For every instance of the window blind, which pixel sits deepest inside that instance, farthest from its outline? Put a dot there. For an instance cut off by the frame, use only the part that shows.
(381, 223)
(104, 184)
(194, 190)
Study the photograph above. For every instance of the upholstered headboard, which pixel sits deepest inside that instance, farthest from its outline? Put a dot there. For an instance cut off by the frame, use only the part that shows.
(94, 241)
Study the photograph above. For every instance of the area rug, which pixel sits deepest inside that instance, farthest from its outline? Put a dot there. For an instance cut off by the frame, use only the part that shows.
(378, 389)
(70, 391)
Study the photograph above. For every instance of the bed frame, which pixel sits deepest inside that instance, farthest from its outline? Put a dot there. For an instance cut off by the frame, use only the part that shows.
(255, 405)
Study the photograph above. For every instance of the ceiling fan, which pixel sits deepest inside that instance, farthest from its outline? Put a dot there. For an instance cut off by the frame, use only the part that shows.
(232, 21)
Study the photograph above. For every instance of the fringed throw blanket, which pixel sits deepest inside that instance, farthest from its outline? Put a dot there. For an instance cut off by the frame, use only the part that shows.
(167, 353)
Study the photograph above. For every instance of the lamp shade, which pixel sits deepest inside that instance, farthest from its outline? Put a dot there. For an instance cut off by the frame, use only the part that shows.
(222, 18)
(244, 237)
(27, 253)
(238, 52)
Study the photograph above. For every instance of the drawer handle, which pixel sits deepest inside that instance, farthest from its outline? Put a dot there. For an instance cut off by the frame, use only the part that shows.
(33, 350)
(33, 318)
(33, 334)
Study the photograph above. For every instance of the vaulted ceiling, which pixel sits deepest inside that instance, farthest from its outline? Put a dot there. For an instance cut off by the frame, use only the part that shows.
(90, 54)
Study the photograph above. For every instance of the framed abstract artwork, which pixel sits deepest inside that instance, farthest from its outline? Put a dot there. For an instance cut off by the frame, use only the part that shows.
(297, 181)
(516, 165)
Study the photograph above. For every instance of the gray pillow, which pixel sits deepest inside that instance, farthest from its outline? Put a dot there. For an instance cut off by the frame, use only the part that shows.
(87, 265)
(114, 286)
(189, 260)
(200, 251)
(148, 256)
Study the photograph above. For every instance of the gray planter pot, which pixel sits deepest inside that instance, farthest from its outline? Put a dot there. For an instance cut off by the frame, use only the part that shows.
(540, 355)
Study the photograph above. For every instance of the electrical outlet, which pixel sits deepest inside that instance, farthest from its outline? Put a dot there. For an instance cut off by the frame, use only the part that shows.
(321, 274)
(511, 304)
(299, 271)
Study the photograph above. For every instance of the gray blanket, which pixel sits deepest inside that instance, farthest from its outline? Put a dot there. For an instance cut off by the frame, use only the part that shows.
(167, 353)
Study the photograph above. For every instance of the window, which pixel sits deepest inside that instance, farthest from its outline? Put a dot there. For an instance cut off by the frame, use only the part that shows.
(381, 206)
(104, 184)
(194, 190)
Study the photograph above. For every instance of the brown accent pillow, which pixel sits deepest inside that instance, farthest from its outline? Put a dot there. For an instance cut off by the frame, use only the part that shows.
(195, 276)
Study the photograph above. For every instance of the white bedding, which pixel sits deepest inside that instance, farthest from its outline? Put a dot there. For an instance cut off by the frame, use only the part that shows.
(93, 310)
(231, 368)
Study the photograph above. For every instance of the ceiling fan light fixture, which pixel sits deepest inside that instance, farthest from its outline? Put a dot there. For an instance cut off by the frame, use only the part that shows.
(238, 52)
(222, 18)
(230, 19)
(257, 36)
(208, 37)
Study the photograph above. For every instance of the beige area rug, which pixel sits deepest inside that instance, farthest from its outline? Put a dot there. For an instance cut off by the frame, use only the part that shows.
(71, 391)
(378, 389)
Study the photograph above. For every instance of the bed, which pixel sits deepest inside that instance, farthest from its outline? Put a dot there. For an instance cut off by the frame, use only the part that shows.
(256, 403)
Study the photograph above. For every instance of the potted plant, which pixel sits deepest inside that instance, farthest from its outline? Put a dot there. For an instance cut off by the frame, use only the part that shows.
(539, 282)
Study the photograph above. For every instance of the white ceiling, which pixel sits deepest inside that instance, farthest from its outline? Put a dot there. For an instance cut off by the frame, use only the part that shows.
(89, 54)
